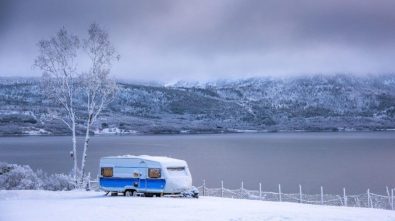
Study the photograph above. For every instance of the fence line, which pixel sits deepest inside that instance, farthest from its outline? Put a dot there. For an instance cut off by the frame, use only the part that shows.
(368, 199)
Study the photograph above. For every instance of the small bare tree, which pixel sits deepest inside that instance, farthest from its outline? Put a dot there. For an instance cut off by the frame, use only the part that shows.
(57, 62)
(97, 87)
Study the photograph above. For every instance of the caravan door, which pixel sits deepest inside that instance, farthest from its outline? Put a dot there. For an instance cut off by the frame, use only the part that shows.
(142, 181)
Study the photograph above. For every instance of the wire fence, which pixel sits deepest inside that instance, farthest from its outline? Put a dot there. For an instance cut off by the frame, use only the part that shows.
(368, 199)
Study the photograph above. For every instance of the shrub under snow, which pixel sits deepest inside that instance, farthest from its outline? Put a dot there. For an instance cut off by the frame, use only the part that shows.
(22, 177)
(57, 182)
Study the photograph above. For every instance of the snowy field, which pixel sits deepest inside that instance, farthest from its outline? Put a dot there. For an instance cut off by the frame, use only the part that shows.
(78, 205)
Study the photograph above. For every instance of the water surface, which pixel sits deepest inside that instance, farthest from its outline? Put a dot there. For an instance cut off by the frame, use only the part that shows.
(356, 161)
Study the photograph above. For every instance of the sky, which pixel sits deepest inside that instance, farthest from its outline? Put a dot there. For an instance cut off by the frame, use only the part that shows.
(204, 40)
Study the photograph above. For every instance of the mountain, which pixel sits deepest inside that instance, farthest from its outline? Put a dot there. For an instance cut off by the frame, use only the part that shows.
(310, 103)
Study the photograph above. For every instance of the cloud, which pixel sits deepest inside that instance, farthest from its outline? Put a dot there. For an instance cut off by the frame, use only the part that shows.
(203, 40)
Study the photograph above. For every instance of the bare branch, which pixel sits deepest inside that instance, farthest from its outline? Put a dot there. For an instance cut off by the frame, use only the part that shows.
(56, 60)
(98, 87)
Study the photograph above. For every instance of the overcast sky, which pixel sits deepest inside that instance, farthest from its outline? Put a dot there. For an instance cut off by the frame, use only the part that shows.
(207, 40)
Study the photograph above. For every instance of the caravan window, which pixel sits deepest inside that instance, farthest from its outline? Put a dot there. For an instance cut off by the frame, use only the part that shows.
(154, 173)
(106, 171)
(177, 171)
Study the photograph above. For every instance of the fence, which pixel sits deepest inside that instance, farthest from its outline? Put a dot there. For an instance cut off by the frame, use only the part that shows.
(368, 199)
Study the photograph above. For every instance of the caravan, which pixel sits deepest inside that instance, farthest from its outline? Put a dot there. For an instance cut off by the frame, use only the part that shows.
(145, 175)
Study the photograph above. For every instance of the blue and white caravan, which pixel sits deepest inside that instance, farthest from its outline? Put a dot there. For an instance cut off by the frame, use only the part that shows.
(145, 175)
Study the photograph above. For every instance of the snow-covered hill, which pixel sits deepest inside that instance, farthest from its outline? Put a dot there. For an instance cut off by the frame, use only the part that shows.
(76, 205)
(313, 103)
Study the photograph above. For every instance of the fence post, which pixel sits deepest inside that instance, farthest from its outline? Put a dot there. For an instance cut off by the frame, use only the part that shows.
(344, 196)
(389, 196)
(204, 187)
(222, 188)
(279, 193)
(260, 191)
(88, 183)
(392, 199)
(322, 195)
(241, 189)
(369, 202)
(300, 193)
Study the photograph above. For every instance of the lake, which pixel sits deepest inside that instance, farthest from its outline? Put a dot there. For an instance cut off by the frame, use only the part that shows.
(354, 160)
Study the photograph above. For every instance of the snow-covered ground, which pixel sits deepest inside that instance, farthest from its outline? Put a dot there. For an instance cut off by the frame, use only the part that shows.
(79, 205)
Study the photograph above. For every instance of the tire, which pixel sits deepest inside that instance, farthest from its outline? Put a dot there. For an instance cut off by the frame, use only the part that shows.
(129, 193)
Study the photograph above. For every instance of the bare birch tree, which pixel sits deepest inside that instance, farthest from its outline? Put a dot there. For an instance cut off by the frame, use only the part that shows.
(57, 62)
(97, 87)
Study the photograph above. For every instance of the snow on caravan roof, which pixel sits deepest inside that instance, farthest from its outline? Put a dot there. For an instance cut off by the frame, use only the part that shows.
(165, 161)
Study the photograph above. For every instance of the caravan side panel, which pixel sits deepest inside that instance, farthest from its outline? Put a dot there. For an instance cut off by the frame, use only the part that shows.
(124, 170)
(122, 184)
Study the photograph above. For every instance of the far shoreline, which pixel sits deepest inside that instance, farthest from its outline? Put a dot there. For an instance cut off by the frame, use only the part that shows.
(138, 134)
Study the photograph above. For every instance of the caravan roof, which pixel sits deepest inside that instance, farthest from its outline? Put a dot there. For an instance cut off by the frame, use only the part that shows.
(165, 161)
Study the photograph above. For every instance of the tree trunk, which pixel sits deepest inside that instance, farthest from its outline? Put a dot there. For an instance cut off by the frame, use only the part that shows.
(84, 154)
(74, 151)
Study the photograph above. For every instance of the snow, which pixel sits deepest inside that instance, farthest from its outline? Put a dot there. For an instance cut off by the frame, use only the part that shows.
(79, 205)
(243, 131)
(36, 132)
(165, 161)
(113, 131)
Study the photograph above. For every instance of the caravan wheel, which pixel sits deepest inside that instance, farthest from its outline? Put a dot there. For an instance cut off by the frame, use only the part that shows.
(129, 193)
